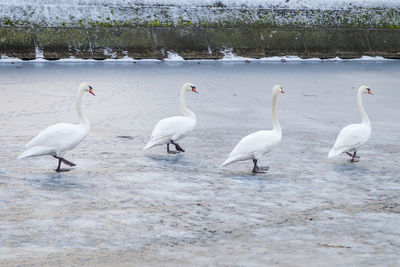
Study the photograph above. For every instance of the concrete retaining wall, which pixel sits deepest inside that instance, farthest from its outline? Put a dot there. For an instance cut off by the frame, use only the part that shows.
(249, 32)
(196, 43)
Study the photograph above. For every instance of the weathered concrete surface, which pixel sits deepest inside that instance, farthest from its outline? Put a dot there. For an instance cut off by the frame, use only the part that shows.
(199, 31)
(196, 43)
(17, 42)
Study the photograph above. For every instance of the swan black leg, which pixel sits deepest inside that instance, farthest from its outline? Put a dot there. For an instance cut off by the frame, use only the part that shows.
(67, 162)
(257, 169)
(171, 151)
(177, 146)
(59, 165)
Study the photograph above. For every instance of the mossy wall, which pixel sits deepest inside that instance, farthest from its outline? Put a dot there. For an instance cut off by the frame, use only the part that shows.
(256, 33)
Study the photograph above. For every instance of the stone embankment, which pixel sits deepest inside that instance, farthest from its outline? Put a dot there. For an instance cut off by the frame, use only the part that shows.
(202, 32)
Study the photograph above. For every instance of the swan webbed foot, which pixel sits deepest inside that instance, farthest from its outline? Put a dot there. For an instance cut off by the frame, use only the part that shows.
(353, 155)
(62, 170)
(177, 146)
(257, 169)
(66, 162)
(171, 151)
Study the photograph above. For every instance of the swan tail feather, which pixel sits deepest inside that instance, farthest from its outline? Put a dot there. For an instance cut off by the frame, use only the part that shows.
(34, 152)
(334, 153)
(228, 161)
(149, 145)
(157, 141)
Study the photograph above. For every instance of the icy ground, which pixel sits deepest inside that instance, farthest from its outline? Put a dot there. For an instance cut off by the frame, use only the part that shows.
(122, 205)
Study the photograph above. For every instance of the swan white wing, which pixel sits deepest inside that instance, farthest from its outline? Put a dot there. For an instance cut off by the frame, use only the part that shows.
(173, 128)
(257, 143)
(352, 136)
(59, 136)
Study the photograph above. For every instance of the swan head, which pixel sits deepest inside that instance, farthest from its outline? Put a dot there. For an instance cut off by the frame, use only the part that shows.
(277, 89)
(365, 89)
(187, 87)
(86, 87)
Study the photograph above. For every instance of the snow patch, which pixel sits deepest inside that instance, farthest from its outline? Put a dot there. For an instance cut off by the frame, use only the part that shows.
(334, 59)
(115, 12)
(228, 55)
(39, 54)
(6, 59)
(172, 56)
(124, 59)
(369, 58)
(293, 4)
(73, 59)
(288, 58)
(109, 53)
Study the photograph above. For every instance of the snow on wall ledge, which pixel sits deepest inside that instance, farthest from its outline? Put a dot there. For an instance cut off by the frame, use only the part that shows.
(191, 13)
(199, 29)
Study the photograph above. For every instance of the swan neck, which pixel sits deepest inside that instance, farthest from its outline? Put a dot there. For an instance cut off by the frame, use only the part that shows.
(82, 117)
(275, 121)
(186, 112)
(363, 114)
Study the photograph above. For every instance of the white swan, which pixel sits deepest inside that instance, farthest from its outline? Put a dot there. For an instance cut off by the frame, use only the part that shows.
(59, 138)
(353, 136)
(170, 130)
(254, 145)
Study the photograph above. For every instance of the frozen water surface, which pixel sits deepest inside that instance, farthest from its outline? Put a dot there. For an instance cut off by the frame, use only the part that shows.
(122, 205)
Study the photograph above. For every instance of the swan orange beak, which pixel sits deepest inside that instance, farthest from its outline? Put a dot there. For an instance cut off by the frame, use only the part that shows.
(91, 91)
(282, 91)
(194, 90)
(370, 92)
